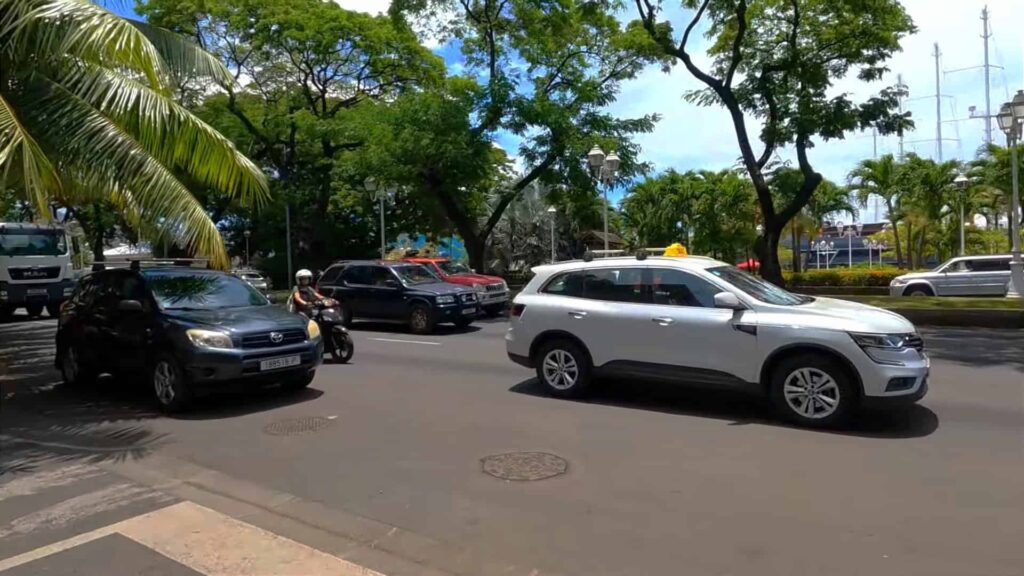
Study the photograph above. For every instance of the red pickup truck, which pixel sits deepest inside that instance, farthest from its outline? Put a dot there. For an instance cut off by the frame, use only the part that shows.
(491, 291)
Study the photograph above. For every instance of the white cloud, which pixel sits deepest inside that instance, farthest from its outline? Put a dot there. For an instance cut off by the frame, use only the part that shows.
(692, 137)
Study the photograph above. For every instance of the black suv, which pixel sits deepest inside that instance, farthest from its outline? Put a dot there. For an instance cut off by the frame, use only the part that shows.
(398, 292)
(186, 329)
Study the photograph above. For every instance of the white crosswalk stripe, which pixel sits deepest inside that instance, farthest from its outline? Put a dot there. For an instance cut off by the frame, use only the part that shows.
(38, 482)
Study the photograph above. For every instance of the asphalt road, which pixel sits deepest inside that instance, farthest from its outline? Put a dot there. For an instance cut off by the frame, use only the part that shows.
(659, 479)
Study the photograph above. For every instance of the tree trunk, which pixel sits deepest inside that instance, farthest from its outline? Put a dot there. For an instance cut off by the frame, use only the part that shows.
(910, 245)
(796, 249)
(896, 241)
(767, 249)
(476, 249)
(97, 234)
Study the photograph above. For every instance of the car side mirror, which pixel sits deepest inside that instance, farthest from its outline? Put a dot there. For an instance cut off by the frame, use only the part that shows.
(392, 284)
(729, 301)
(129, 306)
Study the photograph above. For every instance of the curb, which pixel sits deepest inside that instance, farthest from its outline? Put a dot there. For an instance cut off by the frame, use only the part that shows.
(972, 317)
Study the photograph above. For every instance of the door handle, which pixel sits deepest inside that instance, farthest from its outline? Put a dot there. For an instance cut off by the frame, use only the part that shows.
(577, 313)
(662, 321)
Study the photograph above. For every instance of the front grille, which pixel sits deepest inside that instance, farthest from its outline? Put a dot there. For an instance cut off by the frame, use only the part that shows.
(263, 339)
(467, 298)
(914, 341)
(35, 273)
(495, 287)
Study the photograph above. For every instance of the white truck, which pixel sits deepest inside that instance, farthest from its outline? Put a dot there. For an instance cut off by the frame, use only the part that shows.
(36, 271)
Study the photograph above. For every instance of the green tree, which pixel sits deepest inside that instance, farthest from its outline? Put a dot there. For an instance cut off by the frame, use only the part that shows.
(880, 177)
(828, 199)
(546, 71)
(993, 167)
(777, 61)
(86, 108)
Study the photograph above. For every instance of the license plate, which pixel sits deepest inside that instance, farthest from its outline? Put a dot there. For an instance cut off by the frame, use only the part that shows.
(468, 311)
(36, 292)
(276, 363)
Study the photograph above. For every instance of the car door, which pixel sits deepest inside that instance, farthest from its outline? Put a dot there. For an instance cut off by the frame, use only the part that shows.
(956, 279)
(353, 290)
(386, 294)
(77, 323)
(128, 330)
(683, 331)
(991, 276)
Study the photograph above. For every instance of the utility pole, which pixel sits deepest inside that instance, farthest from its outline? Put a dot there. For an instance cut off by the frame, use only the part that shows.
(938, 103)
(986, 33)
(901, 86)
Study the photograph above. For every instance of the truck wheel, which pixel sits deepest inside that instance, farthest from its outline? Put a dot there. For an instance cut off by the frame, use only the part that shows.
(170, 384)
(34, 310)
(813, 390)
(53, 309)
(420, 320)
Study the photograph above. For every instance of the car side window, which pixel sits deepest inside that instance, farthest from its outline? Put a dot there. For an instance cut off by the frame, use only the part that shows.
(357, 275)
(129, 287)
(990, 265)
(379, 276)
(86, 292)
(614, 285)
(565, 284)
(331, 275)
(961, 266)
(672, 287)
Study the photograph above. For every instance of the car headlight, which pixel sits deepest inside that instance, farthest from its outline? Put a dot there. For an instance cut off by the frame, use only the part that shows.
(504, 285)
(209, 338)
(890, 349)
(446, 299)
(312, 330)
(898, 282)
(479, 288)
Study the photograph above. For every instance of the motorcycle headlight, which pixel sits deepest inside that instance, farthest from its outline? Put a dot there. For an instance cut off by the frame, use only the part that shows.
(209, 338)
(312, 330)
(446, 299)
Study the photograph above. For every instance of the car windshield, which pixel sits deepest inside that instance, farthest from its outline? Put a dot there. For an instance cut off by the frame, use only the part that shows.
(758, 288)
(452, 268)
(201, 291)
(415, 275)
(32, 243)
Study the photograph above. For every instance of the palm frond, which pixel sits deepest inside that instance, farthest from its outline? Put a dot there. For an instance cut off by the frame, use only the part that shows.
(106, 155)
(183, 58)
(170, 132)
(36, 172)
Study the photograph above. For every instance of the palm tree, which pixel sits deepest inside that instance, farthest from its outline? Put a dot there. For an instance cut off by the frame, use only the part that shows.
(86, 110)
(881, 178)
(994, 167)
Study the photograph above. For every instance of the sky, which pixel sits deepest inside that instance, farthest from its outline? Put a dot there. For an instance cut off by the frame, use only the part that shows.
(690, 137)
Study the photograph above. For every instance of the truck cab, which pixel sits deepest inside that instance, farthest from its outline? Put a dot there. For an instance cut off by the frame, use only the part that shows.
(35, 268)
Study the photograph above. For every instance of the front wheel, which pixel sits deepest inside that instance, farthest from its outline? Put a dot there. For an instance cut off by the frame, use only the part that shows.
(296, 383)
(813, 390)
(564, 367)
(74, 369)
(420, 320)
(170, 384)
(342, 347)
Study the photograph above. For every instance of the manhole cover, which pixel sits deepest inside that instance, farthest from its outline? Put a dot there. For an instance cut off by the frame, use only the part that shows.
(524, 466)
(295, 426)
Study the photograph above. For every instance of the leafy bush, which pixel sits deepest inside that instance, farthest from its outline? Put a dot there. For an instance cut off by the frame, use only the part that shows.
(843, 277)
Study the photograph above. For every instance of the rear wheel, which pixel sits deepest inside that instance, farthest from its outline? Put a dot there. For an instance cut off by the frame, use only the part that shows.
(74, 370)
(170, 384)
(564, 368)
(342, 347)
(34, 310)
(53, 309)
(420, 320)
(813, 390)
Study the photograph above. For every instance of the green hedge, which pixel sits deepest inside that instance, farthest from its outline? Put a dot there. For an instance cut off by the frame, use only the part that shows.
(842, 277)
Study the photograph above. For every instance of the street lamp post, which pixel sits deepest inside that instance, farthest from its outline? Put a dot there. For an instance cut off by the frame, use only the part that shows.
(247, 234)
(604, 169)
(1011, 122)
(552, 211)
(849, 231)
(371, 186)
(962, 182)
(872, 245)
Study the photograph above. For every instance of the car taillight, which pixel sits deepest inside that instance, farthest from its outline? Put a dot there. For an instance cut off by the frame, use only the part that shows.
(517, 310)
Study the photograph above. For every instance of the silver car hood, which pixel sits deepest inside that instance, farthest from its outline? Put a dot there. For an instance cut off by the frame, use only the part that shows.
(834, 314)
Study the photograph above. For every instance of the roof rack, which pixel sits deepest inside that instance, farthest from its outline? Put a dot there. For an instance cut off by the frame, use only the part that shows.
(139, 263)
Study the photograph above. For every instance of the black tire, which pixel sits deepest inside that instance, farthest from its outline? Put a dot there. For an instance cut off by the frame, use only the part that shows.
(421, 321)
(74, 370)
(34, 310)
(343, 347)
(821, 392)
(918, 290)
(300, 382)
(170, 384)
(462, 323)
(53, 309)
(571, 374)
(5, 313)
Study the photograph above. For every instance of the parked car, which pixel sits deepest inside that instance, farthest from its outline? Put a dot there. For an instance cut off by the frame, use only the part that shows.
(491, 291)
(398, 292)
(961, 276)
(255, 278)
(187, 330)
(702, 321)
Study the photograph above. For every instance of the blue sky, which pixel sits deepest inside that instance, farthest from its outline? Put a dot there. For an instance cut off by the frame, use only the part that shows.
(689, 137)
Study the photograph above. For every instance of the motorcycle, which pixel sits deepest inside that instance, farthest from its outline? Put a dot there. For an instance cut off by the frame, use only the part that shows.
(337, 340)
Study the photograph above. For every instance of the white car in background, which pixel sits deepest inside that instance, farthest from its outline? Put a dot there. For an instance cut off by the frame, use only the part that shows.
(702, 321)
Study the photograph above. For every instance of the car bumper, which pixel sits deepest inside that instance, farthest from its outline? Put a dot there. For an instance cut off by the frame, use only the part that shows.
(35, 292)
(896, 401)
(896, 290)
(894, 386)
(210, 368)
(444, 314)
(493, 299)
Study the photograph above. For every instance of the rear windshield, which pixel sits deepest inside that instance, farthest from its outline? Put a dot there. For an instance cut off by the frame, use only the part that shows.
(201, 291)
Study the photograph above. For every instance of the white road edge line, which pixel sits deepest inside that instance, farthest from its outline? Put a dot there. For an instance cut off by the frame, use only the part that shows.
(406, 341)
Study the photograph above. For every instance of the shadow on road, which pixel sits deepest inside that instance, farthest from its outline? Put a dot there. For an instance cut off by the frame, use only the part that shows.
(739, 409)
(977, 346)
(439, 330)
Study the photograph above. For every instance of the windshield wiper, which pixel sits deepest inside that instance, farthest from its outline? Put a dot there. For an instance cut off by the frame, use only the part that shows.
(186, 308)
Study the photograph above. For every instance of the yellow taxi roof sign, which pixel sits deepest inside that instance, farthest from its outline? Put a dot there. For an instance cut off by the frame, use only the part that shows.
(676, 249)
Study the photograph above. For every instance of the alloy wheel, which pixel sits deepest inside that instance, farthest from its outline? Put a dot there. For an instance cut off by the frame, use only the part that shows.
(163, 382)
(811, 393)
(70, 364)
(560, 369)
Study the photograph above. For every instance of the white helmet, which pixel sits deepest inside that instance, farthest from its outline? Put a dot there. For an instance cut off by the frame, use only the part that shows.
(304, 273)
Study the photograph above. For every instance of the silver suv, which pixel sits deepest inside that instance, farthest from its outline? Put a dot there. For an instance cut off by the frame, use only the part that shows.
(702, 321)
(962, 276)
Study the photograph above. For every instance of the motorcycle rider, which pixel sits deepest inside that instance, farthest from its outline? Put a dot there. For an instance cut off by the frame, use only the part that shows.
(304, 296)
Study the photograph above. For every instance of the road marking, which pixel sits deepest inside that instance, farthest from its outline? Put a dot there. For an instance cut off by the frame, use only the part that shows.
(35, 483)
(73, 509)
(211, 543)
(407, 341)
